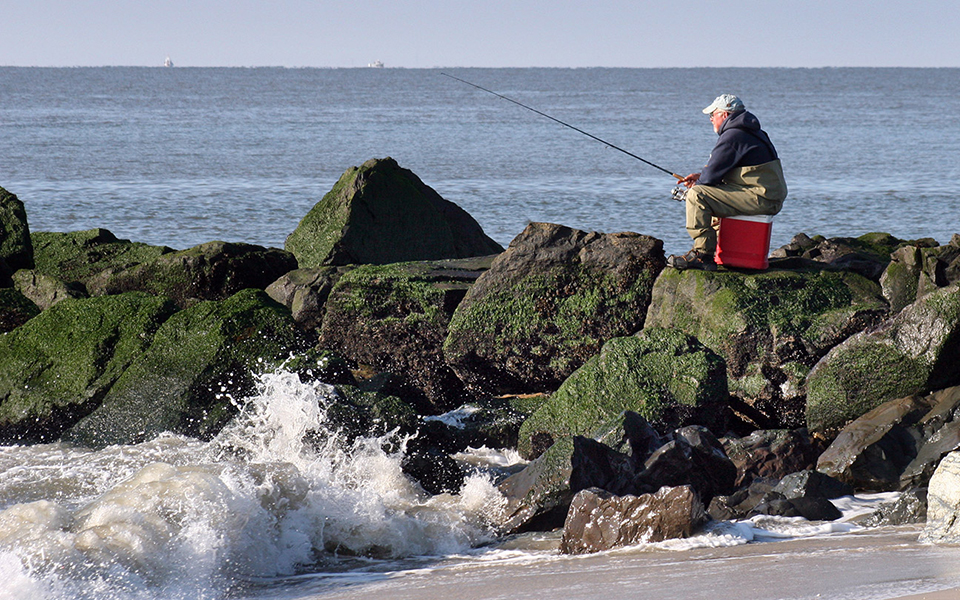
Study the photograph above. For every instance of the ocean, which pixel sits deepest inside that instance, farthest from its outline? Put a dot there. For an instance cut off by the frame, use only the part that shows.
(177, 157)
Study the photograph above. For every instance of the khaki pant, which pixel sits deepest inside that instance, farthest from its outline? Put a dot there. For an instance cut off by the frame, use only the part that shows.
(757, 190)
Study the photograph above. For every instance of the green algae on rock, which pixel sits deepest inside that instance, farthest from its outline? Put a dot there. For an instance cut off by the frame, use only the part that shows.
(59, 366)
(16, 246)
(78, 255)
(381, 213)
(666, 376)
(15, 309)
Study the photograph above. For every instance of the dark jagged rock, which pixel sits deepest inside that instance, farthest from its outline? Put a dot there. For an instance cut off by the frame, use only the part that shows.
(812, 484)
(695, 458)
(538, 497)
(600, 521)
(45, 290)
(59, 366)
(811, 509)
(380, 213)
(305, 291)
(914, 352)
(15, 309)
(178, 383)
(771, 453)
(210, 271)
(769, 327)
(741, 503)
(666, 376)
(76, 256)
(867, 255)
(547, 304)
(910, 507)
(16, 247)
(915, 271)
(395, 318)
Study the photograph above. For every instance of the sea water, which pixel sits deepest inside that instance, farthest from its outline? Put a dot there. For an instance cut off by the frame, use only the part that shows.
(279, 505)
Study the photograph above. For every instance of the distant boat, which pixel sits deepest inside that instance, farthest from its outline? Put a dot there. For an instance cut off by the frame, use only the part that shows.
(377, 64)
(168, 62)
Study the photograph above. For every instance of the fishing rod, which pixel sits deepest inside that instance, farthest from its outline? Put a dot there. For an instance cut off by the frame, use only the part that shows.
(543, 114)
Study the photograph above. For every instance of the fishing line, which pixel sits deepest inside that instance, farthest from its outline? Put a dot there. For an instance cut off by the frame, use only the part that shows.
(543, 114)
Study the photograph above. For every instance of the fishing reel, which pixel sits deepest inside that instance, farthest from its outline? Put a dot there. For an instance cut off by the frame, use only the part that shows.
(679, 193)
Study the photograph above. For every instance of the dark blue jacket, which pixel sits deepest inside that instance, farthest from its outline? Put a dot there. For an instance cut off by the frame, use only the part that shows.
(742, 144)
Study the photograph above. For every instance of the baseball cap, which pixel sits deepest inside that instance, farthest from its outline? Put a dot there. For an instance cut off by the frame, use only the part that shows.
(726, 103)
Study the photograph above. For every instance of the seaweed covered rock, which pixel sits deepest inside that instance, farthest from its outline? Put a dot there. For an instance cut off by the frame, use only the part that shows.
(915, 271)
(547, 304)
(666, 376)
(15, 309)
(867, 255)
(770, 327)
(394, 318)
(16, 246)
(79, 255)
(59, 366)
(915, 352)
(45, 290)
(209, 271)
(380, 213)
(305, 291)
(178, 384)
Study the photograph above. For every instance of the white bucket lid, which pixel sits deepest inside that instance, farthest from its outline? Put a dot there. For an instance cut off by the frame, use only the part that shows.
(753, 218)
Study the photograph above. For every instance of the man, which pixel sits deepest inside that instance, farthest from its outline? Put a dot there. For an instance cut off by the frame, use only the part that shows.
(743, 176)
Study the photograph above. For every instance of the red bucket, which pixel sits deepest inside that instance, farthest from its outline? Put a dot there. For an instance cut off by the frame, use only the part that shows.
(744, 241)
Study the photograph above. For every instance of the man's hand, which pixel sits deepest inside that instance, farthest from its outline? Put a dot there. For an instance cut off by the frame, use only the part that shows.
(690, 180)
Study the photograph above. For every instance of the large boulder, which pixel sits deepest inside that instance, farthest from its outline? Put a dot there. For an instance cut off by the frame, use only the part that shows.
(915, 352)
(771, 453)
(549, 303)
(201, 365)
(394, 318)
(78, 255)
(770, 327)
(16, 247)
(599, 520)
(45, 290)
(15, 309)
(209, 271)
(943, 503)
(380, 213)
(59, 366)
(666, 376)
(915, 271)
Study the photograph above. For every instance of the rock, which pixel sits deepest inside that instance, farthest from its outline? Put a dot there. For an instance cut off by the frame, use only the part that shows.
(190, 380)
(771, 453)
(812, 484)
(769, 327)
(600, 521)
(305, 291)
(909, 507)
(489, 422)
(45, 290)
(913, 352)
(742, 503)
(811, 509)
(695, 458)
(549, 303)
(79, 255)
(937, 434)
(15, 309)
(915, 271)
(668, 377)
(210, 271)
(380, 213)
(16, 247)
(58, 366)
(943, 503)
(394, 318)
(867, 255)
(597, 466)
(538, 497)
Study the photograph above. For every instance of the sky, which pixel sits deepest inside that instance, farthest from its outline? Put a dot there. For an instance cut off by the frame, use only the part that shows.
(481, 33)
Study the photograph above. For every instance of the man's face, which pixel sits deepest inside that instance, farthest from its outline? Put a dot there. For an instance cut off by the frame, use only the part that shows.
(717, 117)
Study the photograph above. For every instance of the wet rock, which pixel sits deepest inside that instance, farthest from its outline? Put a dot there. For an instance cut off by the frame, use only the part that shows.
(910, 507)
(380, 213)
(912, 353)
(489, 422)
(812, 484)
(59, 365)
(210, 271)
(15, 309)
(867, 255)
(600, 521)
(695, 458)
(915, 271)
(742, 503)
(305, 291)
(666, 376)
(548, 304)
(16, 246)
(771, 453)
(45, 290)
(201, 364)
(394, 318)
(76, 256)
(538, 497)
(943, 503)
(811, 509)
(770, 327)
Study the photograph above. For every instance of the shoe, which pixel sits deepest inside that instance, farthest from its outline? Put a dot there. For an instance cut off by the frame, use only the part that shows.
(692, 260)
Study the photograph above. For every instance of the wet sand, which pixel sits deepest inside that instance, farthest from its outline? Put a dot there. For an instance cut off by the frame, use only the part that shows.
(878, 564)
